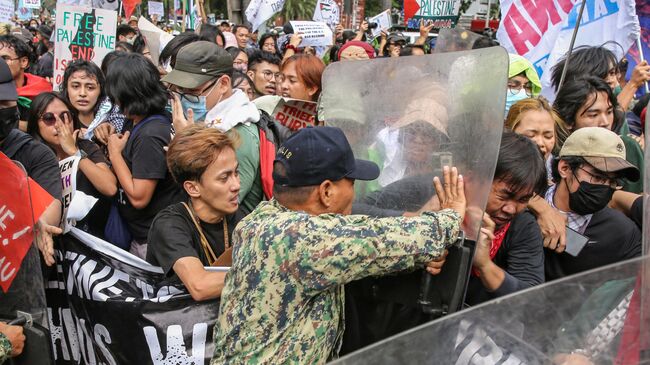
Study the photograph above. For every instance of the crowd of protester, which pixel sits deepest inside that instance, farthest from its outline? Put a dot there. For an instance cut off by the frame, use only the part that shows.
(190, 169)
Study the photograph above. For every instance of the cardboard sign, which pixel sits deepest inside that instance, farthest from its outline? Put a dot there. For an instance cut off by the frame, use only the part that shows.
(6, 11)
(383, 21)
(82, 33)
(17, 217)
(68, 168)
(314, 34)
(295, 114)
(156, 8)
(444, 13)
(327, 11)
(32, 4)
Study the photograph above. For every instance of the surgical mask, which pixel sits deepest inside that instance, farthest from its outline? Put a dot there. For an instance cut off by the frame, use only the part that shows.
(590, 198)
(130, 40)
(199, 108)
(8, 121)
(513, 96)
(617, 90)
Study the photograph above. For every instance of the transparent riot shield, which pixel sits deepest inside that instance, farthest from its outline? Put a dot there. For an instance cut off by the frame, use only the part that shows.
(644, 325)
(455, 39)
(413, 116)
(582, 319)
(24, 302)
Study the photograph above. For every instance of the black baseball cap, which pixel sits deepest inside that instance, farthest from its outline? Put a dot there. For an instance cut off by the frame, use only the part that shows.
(315, 154)
(198, 63)
(7, 83)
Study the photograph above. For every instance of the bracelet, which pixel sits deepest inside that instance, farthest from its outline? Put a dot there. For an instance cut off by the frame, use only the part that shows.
(291, 46)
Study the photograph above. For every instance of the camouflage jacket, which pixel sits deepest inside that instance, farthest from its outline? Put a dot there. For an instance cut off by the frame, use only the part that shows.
(5, 348)
(283, 298)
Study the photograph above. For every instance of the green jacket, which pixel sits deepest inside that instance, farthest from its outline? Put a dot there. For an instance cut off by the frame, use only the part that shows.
(248, 156)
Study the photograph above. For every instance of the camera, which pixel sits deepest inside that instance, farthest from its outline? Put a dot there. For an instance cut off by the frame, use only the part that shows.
(372, 25)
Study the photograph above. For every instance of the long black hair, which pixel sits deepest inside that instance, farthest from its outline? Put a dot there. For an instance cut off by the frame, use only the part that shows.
(585, 61)
(91, 70)
(133, 83)
(210, 33)
(266, 36)
(39, 104)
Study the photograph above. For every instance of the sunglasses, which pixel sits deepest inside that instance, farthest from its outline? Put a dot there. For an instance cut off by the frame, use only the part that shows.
(50, 118)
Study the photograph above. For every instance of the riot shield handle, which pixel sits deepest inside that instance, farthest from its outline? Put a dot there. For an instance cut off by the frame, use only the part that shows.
(427, 287)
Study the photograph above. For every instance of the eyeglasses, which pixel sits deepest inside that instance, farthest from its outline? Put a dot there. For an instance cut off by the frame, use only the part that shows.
(8, 58)
(268, 75)
(603, 180)
(514, 86)
(50, 118)
(195, 98)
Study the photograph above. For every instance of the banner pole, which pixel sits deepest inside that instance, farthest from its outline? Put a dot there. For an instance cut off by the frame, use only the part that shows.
(487, 15)
(184, 3)
(573, 40)
(119, 11)
(641, 58)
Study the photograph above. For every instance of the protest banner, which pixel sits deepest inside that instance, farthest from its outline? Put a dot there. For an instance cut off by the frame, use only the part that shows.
(106, 306)
(295, 114)
(314, 34)
(259, 11)
(82, 33)
(541, 31)
(327, 11)
(155, 38)
(383, 21)
(6, 10)
(32, 4)
(23, 12)
(68, 168)
(156, 8)
(443, 13)
(17, 217)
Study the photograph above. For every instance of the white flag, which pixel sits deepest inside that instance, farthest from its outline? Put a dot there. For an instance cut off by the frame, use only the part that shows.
(259, 11)
(327, 11)
(541, 31)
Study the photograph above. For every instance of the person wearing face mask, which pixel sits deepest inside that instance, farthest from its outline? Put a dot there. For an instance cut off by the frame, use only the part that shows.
(523, 81)
(39, 161)
(125, 33)
(586, 174)
(201, 82)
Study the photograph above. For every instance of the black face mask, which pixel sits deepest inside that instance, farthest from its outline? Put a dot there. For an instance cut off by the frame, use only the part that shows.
(590, 198)
(8, 121)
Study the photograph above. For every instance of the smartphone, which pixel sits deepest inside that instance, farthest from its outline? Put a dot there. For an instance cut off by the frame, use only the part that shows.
(575, 242)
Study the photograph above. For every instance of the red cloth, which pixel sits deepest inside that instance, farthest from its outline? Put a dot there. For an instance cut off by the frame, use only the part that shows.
(267, 156)
(631, 338)
(129, 6)
(499, 235)
(366, 47)
(34, 85)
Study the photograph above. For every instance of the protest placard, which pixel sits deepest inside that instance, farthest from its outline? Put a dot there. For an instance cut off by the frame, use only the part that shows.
(295, 114)
(383, 21)
(6, 10)
(314, 34)
(17, 217)
(68, 168)
(443, 13)
(259, 11)
(32, 4)
(327, 11)
(156, 8)
(82, 33)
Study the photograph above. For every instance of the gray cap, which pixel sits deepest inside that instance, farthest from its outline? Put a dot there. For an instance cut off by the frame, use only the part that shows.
(198, 63)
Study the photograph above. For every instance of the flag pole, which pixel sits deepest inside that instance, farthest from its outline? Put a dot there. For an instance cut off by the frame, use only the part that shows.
(641, 58)
(573, 41)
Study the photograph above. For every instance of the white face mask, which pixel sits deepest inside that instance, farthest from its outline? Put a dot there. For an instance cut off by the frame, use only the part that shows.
(130, 40)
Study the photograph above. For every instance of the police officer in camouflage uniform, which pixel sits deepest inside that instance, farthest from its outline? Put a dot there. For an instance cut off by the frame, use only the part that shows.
(283, 297)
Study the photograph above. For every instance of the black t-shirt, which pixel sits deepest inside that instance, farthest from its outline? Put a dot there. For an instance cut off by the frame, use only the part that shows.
(146, 158)
(613, 237)
(95, 221)
(39, 161)
(521, 256)
(173, 235)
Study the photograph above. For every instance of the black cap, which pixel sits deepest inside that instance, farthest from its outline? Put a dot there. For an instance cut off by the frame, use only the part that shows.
(315, 154)
(7, 84)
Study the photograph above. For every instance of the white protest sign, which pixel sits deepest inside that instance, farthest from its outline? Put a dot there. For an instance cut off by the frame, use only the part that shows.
(383, 21)
(295, 114)
(155, 38)
(259, 11)
(327, 11)
(32, 4)
(82, 33)
(156, 8)
(68, 168)
(541, 31)
(6, 11)
(314, 34)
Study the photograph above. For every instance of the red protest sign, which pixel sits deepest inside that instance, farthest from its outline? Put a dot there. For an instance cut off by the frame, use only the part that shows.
(295, 114)
(17, 217)
(411, 7)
